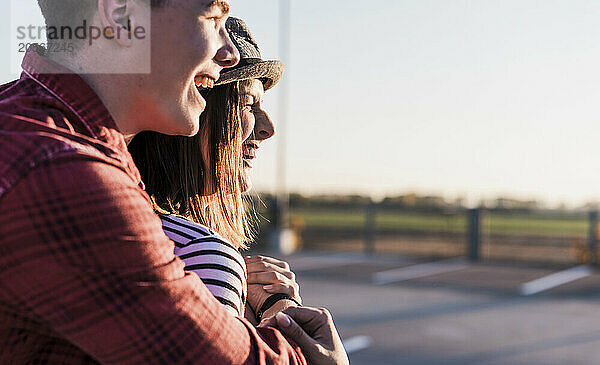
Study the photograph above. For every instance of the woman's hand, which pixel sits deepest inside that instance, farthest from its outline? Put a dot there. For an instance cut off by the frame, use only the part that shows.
(267, 276)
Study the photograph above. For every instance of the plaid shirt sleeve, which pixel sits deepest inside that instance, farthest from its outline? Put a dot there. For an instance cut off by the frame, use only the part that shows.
(85, 267)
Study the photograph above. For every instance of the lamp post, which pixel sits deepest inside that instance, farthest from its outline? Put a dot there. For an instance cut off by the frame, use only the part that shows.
(283, 239)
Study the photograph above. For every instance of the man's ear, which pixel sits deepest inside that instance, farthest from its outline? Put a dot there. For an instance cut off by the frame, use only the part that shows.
(115, 18)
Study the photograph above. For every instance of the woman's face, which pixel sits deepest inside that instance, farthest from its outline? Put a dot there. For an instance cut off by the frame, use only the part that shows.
(257, 126)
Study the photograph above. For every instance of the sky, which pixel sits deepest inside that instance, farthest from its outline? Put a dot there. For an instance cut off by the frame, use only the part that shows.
(473, 99)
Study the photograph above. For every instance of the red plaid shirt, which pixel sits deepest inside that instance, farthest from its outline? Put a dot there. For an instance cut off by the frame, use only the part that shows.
(86, 272)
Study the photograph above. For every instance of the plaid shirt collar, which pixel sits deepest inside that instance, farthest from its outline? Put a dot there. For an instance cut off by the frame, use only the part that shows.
(76, 95)
(72, 90)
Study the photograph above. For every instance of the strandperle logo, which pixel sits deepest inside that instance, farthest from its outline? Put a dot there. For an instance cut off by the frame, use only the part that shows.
(29, 32)
(91, 33)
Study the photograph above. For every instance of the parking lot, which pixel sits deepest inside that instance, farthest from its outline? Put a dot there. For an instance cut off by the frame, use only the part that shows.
(398, 310)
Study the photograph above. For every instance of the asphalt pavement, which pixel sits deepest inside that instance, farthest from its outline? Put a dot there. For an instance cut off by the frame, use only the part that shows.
(399, 310)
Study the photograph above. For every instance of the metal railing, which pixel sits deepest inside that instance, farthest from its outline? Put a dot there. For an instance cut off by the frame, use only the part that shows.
(478, 234)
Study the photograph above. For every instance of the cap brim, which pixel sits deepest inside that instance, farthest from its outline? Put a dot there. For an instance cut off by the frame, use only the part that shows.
(270, 72)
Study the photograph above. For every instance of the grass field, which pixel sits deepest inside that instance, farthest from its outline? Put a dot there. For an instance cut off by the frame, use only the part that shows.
(492, 223)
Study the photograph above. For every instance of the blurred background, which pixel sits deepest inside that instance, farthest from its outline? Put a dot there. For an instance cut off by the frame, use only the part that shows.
(434, 178)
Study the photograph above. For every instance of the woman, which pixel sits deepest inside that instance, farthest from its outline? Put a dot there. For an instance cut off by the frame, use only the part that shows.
(197, 183)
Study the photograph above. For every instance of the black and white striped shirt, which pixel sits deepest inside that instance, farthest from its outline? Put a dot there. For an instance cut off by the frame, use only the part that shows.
(216, 261)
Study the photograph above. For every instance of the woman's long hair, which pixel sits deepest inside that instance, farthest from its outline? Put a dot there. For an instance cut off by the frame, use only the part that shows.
(178, 179)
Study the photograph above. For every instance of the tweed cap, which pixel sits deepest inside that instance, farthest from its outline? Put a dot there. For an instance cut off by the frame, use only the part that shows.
(251, 64)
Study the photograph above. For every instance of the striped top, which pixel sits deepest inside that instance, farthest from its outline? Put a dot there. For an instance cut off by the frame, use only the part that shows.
(216, 261)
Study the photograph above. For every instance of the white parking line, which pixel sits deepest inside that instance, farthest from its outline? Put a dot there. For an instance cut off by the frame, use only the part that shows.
(556, 279)
(357, 343)
(325, 261)
(320, 262)
(419, 271)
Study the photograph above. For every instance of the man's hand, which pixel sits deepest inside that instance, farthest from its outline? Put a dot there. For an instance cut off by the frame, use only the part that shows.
(314, 331)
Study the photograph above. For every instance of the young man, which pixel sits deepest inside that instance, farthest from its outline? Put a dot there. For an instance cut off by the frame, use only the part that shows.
(86, 273)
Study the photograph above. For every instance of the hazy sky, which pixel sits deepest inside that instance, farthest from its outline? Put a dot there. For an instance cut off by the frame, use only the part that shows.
(453, 97)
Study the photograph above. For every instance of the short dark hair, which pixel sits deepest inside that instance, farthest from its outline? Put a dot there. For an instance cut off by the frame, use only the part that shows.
(65, 12)
(72, 13)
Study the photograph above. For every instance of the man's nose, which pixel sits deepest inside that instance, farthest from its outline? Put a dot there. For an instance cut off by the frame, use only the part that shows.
(264, 127)
(228, 55)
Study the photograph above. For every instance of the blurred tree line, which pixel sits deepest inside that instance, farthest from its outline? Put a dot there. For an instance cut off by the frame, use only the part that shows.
(411, 201)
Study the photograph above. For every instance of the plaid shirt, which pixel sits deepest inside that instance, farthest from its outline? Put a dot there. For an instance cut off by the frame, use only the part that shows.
(86, 272)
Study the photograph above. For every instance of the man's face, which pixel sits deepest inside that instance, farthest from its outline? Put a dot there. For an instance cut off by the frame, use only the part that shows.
(257, 126)
(190, 47)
